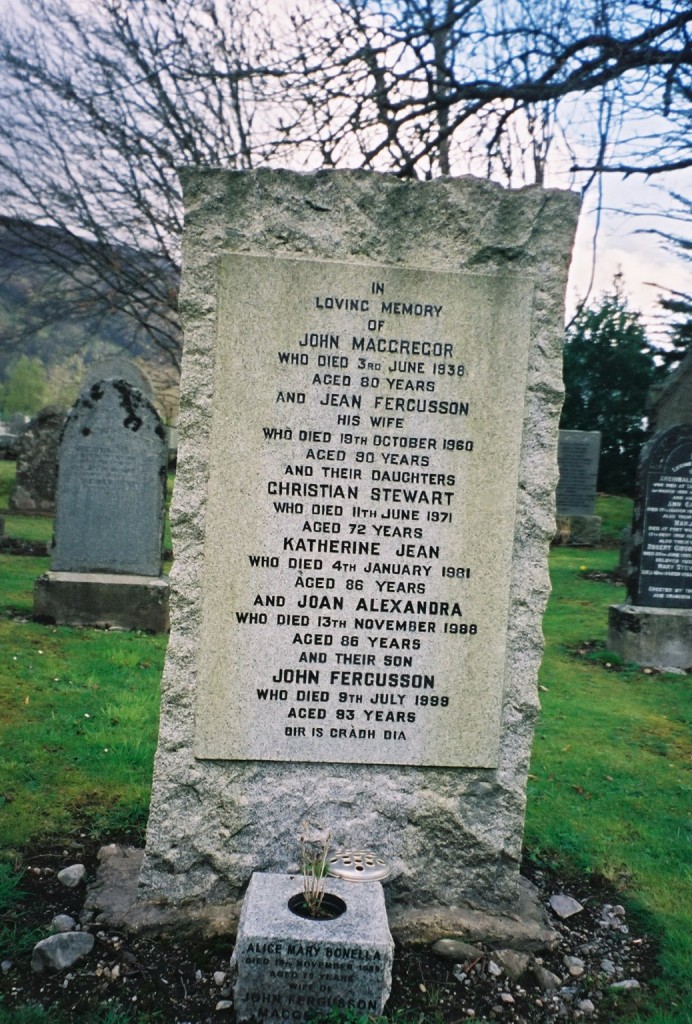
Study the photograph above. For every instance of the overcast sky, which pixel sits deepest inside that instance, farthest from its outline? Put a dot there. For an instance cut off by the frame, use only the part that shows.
(631, 208)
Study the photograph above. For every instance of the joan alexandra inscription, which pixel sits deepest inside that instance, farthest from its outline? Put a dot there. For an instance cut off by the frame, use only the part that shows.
(365, 448)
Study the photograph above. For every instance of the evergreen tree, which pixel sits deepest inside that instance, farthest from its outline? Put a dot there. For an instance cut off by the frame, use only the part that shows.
(608, 369)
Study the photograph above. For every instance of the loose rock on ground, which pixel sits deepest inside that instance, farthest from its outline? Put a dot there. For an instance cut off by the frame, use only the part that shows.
(187, 982)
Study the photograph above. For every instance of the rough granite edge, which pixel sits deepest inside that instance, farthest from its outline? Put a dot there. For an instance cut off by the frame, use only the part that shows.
(112, 899)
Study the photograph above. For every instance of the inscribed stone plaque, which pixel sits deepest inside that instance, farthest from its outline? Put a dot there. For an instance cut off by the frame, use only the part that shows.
(290, 967)
(662, 528)
(364, 458)
(111, 484)
(450, 833)
(578, 452)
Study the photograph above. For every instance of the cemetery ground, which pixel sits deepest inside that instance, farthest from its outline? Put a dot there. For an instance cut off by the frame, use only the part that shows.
(606, 818)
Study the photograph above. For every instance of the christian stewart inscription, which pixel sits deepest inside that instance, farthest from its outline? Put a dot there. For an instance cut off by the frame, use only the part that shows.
(366, 431)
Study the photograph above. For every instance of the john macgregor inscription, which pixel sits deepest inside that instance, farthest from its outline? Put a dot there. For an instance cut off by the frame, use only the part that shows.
(365, 449)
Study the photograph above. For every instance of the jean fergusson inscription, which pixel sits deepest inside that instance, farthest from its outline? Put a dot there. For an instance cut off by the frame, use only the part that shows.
(372, 535)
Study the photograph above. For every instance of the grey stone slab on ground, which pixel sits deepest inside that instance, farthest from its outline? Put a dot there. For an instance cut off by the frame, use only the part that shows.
(102, 599)
(288, 967)
(565, 906)
(578, 452)
(37, 462)
(111, 484)
(578, 531)
(451, 828)
(114, 900)
(653, 637)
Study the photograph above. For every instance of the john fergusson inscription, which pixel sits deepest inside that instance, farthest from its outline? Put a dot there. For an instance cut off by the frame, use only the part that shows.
(366, 434)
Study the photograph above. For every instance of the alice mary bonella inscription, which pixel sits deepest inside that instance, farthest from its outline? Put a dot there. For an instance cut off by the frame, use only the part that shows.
(364, 461)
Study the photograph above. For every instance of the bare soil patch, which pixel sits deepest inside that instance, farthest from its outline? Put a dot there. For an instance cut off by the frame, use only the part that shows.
(180, 981)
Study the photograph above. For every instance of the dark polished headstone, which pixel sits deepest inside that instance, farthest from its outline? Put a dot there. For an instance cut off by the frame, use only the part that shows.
(111, 484)
(661, 560)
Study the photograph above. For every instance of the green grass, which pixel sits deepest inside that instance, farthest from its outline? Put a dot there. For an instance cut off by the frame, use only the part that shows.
(608, 792)
(78, 722)
(104, 1015)
(7, 473)
(40, 528)
(36, 528)
(615, 513)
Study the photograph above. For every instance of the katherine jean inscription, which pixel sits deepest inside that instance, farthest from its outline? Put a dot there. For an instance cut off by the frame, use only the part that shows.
(365, 447)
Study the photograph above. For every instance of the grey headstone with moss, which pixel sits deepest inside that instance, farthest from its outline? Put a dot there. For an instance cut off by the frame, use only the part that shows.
(370, 396)
(107, 557)
(111, 483)
(118, 367)
(37, 462)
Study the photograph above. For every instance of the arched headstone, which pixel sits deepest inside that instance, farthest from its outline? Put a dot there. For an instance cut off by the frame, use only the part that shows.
(111, 483)
(107, 548)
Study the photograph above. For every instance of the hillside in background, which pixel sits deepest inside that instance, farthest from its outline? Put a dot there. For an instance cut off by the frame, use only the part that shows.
(52, 306)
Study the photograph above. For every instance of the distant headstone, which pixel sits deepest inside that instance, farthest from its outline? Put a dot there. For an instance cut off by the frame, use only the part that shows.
(371, 391)
(110, 513)
(289, 968)
(112, 484)
(118, 368)
(656, 627)
(37, 462)
(578, 453)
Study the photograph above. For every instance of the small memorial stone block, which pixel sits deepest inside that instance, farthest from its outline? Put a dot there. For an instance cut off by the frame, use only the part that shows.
(662, 525)
(289, 967)
(577, 455)
(111, 484)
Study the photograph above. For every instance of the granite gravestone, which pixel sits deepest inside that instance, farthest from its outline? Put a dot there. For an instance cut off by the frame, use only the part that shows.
(365, 494)
(118, 367)
(655, 628)
(37, 462)
(578, 452)
(289, 967)
(107, 550)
